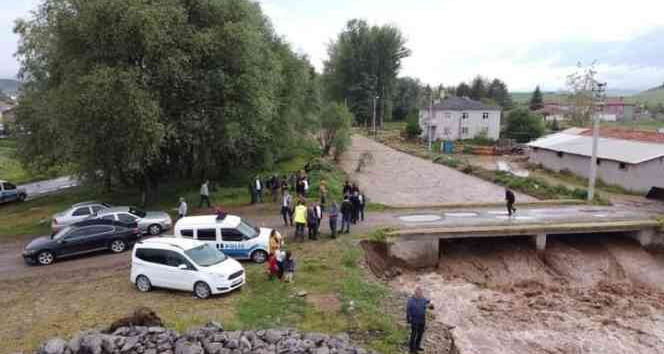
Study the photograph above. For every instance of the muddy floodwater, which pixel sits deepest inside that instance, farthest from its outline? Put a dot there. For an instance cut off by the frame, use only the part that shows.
(585, 294)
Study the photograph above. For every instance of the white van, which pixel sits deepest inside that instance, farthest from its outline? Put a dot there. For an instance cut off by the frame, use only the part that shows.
(234, 236)
(189, 265)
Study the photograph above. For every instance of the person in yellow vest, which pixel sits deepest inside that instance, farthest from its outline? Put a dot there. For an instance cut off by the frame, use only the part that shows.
(300, 219)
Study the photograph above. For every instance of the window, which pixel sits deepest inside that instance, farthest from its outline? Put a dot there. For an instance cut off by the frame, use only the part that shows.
(464, 115)
(9, 186)
(535, 149)
(623, 166)
(232, 235)
(126, 218)
(560, 154)
(97, 208)
(485, 115)
(599, 162)
(81, 212)
(447, 131)
(95, 230)
(151, 255)
(206, 234)
(187, 233)
(248, 230)
(485, 131)
(108, 217)
(464, 130)
(174, 259)
(77, 233)
(205, 255)
(448, 115)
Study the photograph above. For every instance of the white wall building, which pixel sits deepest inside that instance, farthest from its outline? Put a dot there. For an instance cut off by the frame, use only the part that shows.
(635, 165)
(457, 118)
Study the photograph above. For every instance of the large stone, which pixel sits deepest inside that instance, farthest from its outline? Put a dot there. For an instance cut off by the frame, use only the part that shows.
(233, 344)
(108, 343)
(130, 343)
(272, 336)
(184, 347)
(317, 338)
(215, 325)
(150, 351)
(213, 348)
(156, 330)
(91, 343)
(322, 350)
(54, 346)
(245, 343)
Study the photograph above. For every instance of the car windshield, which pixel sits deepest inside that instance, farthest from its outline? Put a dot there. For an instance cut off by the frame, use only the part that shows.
(62, 232)
(137, 212)
(205, 255)
(247, 229)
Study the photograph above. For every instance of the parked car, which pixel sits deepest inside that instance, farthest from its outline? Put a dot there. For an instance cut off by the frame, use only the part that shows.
(77, 212)
(150, 222)
(11, 193)
(181, 264)
(82, 237)
(234, 236)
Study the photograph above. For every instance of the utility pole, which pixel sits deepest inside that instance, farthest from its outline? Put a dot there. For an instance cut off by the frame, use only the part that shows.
(375, 133)
(429, 122)
(598, 91)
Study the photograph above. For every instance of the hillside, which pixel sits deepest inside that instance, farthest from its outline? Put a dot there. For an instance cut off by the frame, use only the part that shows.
(524, 97)
(652, 96)
(9, 86)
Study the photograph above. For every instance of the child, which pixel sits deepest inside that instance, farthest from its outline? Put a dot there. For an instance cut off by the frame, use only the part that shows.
(280, 255)
(289, 267)
(272, 267)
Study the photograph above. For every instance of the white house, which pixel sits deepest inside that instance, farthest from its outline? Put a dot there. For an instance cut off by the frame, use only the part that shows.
(457, 118)
(634, 164)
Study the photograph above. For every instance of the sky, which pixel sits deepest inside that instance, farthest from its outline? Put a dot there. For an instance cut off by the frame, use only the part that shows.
(524, 43)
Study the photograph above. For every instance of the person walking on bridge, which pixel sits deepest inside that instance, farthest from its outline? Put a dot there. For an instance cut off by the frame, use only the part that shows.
(416, 314)
(510, 199)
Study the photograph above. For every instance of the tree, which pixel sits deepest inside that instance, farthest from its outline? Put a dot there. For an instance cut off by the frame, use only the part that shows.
(407, 97)
(463, 90)
(335, 126)
(478, 89)
(523, 125)
(363, 64)
(536, 101)
(500, 94)
(143, 91)
(581, 84)
(413, 129)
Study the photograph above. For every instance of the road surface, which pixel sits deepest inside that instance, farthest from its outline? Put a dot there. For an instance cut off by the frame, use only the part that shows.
(41, 188)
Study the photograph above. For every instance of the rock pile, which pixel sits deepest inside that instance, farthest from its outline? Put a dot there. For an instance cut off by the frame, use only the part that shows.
(210, 339)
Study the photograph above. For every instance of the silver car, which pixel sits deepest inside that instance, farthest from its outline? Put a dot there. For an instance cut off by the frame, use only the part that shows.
(150, 222)
(76, 213)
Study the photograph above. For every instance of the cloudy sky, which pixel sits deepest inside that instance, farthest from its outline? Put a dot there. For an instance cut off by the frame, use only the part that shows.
(525, 43)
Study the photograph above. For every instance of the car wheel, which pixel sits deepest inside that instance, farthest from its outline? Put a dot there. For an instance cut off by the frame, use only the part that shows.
(45, 258)
(154, 230)
(259, 256)
(21, 197)
(118, 246)
(202, 290)
(143, 284)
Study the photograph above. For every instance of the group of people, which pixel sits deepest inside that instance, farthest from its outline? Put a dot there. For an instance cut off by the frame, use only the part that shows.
(276, 186)
(309, 215)
(280, 263)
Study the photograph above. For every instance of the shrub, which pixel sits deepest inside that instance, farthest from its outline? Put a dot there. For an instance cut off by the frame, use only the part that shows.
(413, 130)
(448, 161)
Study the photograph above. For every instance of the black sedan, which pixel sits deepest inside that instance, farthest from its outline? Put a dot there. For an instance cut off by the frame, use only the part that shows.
(82, 237)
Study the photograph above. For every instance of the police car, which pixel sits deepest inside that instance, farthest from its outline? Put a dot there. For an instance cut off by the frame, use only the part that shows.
(230, 234)
(10, 193)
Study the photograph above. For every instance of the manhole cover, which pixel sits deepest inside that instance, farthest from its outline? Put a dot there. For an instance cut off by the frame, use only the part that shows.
(460, 215)
(420, 218)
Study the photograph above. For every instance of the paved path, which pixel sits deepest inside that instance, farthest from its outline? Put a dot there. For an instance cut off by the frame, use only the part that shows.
(396, 178)
(41, 188)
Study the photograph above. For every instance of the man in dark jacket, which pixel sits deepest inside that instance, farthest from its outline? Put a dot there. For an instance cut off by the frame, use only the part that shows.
(312, 221)
(510, 199)
(346, 211)
(416, 314)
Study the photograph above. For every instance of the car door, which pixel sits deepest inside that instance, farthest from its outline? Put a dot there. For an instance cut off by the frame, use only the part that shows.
(181, 279)
(233, 243)
(152, 264)
(207, 235)
(100, 236)
(74, 242)
(9, 192)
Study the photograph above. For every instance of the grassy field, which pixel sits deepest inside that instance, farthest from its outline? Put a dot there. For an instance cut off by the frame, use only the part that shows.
(645, 124)
(651, 96)
(12, 170)
(341, 297)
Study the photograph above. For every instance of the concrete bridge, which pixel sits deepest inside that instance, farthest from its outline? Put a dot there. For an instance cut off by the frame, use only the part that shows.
(417, 240)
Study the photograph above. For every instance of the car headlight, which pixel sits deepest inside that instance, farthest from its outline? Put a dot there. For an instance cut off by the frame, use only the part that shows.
(29, 251)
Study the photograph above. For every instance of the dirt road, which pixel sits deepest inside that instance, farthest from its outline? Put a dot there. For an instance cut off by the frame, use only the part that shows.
(396, 178)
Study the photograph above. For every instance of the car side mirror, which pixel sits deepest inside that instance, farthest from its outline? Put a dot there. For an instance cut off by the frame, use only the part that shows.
(183, 267)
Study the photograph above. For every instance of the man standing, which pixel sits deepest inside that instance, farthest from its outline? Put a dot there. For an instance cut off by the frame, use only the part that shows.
(300, 220)
(286, 204)
(416, 313)
(333, 214)
(312, 221)
(319, 215)
(258, 185)
(205, 194)
(510, 198)
(346, 211)
(182, 208)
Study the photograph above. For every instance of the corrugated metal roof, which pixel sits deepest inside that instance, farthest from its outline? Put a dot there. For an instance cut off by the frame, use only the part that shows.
(453, 103)
(627, 151)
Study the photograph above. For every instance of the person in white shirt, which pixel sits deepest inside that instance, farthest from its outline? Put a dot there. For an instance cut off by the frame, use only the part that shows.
(258, 185)
(182, 208)
(205, 195)
(286, 207)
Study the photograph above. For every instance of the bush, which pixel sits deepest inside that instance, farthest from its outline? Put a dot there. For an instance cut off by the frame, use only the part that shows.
(321, 164)
(413, 130)
(448, 161)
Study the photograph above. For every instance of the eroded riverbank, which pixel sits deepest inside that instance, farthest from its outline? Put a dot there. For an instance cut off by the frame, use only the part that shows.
(595, 294)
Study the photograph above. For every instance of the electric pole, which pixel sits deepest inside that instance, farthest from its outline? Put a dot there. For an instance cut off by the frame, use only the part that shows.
(375, 133)
(429, 122)
(599, 93)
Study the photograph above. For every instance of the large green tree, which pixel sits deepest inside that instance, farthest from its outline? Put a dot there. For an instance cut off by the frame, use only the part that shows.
(523, 125)
(478, 88)
(335, 128)
(144, 90)
(362, 67)
(407, 97)
(498, 92)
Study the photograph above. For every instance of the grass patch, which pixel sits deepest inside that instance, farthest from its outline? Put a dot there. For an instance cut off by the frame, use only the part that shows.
(326, 267)
(12, 170)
